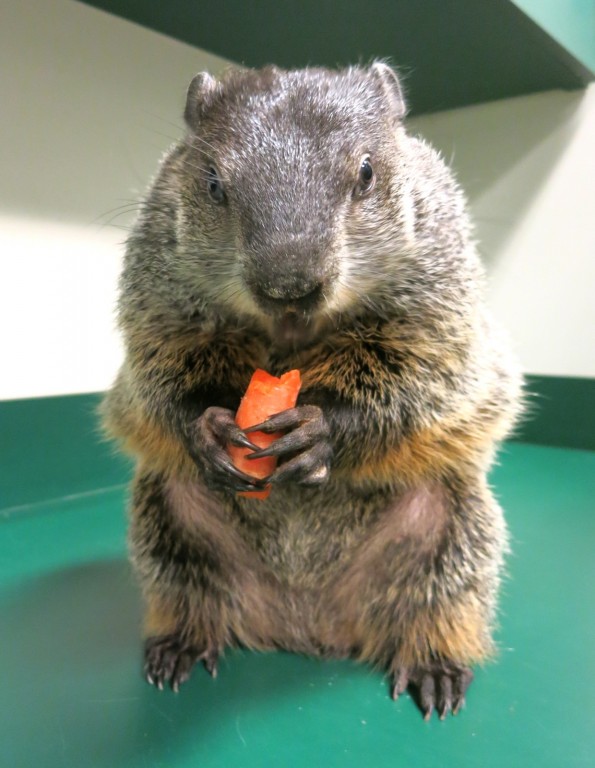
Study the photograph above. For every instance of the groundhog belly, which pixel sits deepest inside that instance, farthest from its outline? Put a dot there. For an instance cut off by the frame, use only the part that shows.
(303, 533)
(304, 566)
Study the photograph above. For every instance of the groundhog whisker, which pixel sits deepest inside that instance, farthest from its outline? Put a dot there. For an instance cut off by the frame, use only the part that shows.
(126, 212)
(132, 204)
(154, 115)
(202, 169)
(202, 140)
(172, 139)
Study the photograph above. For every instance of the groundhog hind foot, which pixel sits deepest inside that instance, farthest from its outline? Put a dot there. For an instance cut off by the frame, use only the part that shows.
(441, 687)
(169, 659)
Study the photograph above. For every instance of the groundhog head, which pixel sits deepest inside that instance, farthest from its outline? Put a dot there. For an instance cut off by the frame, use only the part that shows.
(304, 199)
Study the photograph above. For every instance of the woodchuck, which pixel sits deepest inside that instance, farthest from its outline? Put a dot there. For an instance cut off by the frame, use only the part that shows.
(298, 225)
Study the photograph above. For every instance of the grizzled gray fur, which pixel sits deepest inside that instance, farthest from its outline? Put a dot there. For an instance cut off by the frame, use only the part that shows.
(298, 225)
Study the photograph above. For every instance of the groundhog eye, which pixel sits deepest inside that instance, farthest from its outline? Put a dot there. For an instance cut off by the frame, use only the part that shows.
(215, 186)
(366, 179)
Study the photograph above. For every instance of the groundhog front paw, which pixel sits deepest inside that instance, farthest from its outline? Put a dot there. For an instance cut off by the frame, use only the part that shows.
(207, 441)
(169, 659)
(440, 686)
(305, 450)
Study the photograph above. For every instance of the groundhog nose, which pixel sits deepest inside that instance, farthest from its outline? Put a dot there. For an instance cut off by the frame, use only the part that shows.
(299, 296)
(292, 292)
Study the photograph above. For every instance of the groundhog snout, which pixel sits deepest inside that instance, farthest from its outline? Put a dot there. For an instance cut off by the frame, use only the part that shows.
(289, 276)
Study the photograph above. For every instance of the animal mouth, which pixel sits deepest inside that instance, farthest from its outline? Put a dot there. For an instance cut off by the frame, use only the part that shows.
(292, 310)
(293, 330)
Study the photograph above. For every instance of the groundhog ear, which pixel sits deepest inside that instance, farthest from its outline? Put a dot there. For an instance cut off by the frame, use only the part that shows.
(389, 81)
(199, 96)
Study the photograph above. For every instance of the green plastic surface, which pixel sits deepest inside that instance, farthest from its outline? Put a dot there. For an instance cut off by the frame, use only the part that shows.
(70, 655)
(52, 447)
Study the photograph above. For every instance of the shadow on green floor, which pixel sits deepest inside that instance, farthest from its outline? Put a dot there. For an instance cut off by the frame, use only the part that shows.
(75, 679)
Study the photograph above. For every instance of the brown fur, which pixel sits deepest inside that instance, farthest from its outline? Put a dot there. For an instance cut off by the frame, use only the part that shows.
(160, 617)
(160, 450)
(430, 453)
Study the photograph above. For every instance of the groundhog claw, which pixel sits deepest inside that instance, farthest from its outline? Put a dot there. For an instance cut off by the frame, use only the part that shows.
(207, 444)
(306, 448)
(292, 418)
(307, 468)
(437, 687)
(400, 681)
(169, 659)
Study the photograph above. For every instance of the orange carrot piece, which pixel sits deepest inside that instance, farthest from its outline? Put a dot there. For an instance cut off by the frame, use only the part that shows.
(265, 396)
